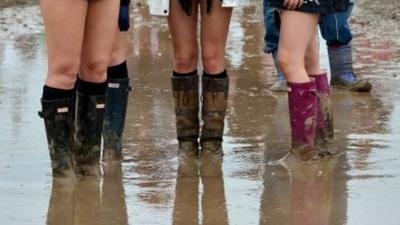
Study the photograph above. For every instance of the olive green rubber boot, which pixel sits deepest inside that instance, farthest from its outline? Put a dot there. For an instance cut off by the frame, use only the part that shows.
(89, 126)
(58, 118)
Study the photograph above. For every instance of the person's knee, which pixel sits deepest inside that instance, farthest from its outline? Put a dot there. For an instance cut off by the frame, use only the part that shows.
(213, 60)
(62, 74)
(289, 62)
(284, 60)
(94, 71)
(185, 61)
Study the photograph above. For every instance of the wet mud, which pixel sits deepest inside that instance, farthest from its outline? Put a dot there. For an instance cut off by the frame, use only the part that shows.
(359, 186)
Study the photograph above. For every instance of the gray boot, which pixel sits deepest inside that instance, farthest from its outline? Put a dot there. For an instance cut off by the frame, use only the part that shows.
(343, 76)
(215, 98)
(280, 84)
(186, 95)
(58, 118)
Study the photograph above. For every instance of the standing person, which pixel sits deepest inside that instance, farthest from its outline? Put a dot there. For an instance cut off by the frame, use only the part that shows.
(183, 21)
(308, 88)
(117, 89)
(80, 35)
(335, 29)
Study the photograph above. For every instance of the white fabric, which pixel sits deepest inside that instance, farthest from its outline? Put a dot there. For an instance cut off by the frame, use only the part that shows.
(235, 3)
(159, 7)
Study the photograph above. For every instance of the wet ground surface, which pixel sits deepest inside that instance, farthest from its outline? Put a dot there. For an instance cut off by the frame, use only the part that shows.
(358, 187)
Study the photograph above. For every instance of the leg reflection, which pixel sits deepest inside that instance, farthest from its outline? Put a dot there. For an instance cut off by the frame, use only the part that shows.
(213, 200)
(213, 203)
(300, 194)
(186, 207)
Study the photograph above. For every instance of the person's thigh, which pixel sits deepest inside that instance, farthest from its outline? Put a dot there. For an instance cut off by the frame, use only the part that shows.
(64, 22)
(101, 27)
(335, 28)
(183, 29)
(297, 31)
(214, 33)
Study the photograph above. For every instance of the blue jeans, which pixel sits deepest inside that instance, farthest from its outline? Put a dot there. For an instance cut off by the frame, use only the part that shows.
(335, 28)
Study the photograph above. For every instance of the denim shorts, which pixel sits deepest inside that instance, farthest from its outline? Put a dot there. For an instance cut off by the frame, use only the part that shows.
(316, 6)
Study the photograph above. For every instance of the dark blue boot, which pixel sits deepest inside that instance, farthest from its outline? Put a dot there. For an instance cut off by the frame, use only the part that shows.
(114, 118)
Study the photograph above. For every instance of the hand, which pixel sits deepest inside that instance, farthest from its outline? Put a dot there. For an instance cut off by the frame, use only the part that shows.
(293, 4)
(123, 19)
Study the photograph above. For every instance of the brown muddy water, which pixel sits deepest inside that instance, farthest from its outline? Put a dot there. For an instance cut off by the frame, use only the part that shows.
(359, 187)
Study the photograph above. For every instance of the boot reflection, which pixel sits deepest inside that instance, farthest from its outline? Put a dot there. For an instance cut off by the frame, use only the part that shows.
(213, 203)
(61, 206)
(186, 206)
(91, 201)
(114, 209)
(87, 202)
(300, 194)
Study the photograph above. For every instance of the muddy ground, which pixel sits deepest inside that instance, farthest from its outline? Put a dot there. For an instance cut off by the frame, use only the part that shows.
(360, 186)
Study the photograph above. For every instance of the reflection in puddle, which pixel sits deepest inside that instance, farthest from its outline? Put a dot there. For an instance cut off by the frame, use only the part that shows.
(358, 187)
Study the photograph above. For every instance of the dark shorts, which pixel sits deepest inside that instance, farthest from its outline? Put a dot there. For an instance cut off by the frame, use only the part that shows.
(316, 6)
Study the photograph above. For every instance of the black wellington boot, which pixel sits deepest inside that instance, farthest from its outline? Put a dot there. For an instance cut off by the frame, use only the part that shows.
(89, 125)
(114, 118)
(58, 118)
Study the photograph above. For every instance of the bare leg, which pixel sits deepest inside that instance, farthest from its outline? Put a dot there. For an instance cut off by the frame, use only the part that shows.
(183, 30)
(118, 54)
(214, 32)
(297, 31)
(312, 58)
(99, 37)
(64, 23)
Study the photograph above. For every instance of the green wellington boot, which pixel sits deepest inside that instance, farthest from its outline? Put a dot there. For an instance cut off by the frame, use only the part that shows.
(89, 124)
(58, 118)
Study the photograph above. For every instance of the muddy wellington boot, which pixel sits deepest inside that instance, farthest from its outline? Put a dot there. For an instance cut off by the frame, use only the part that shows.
(114, 118)
(185, 89)
(215, 99)
(303, 112)
(343, 76)
(325, 134)
(89, 124)
(58, 118)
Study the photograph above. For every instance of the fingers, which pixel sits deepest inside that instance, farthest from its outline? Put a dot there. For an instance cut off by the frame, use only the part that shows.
(301, 2)
(293, 4)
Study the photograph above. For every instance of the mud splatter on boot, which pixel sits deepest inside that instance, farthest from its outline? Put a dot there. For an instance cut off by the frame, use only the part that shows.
(215, 98)
(89, 124)
(58, 118)
(303, 119)
(325, 134)
(186, 96)
(114, 118)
